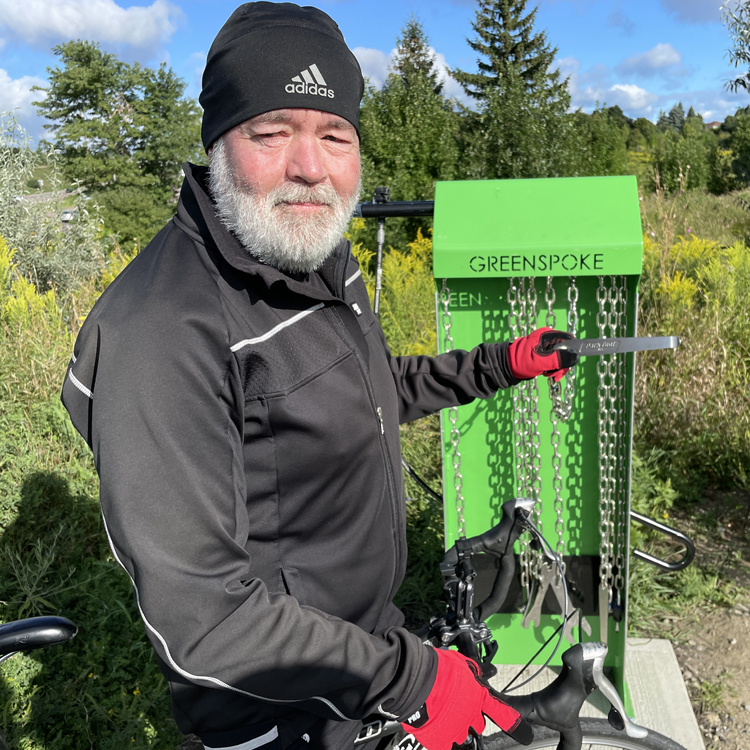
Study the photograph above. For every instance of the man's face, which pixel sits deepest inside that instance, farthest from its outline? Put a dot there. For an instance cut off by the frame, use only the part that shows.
(286, 183)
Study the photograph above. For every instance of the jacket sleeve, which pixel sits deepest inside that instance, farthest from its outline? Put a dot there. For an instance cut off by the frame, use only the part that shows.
(159, 402)
(427, 384)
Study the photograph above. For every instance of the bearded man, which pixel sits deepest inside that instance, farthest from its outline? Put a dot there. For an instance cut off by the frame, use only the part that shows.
(243, 409)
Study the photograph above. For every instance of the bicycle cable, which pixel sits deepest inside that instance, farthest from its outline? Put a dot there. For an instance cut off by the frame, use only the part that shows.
(426, 487)
(538, 535)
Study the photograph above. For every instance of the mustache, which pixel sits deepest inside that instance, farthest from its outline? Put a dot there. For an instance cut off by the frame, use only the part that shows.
(322, 195)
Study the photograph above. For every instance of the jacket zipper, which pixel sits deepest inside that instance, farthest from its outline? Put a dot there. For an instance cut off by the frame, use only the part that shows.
(383, 446)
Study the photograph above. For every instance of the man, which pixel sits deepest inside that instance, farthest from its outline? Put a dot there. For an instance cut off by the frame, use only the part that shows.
(243, 409)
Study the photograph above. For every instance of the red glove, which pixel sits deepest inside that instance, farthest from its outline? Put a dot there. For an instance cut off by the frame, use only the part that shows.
(458, 702)
(532, 355)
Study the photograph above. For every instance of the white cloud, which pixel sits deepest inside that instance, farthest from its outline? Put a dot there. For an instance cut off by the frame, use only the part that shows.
(374, 63)
(593, 87)
(16, 96)
(663, 59)
(631, 97)
(45, 22)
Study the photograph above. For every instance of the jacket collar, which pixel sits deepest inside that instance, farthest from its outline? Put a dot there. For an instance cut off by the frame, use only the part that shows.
(196, 211)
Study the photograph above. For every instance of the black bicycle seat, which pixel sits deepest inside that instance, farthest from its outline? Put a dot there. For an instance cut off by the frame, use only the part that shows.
(35, 632)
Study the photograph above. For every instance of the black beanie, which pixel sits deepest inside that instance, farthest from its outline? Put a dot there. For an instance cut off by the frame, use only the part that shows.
(276, 56)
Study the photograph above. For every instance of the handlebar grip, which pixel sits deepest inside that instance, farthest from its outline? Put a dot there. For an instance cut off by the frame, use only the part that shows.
(559, 704)
(571, 738)
(499, 542)
(500, 588)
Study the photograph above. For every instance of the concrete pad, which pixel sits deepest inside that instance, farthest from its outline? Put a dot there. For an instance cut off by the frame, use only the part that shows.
(657, 691)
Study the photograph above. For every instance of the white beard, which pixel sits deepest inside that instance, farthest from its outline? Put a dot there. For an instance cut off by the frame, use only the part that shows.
(271, 232)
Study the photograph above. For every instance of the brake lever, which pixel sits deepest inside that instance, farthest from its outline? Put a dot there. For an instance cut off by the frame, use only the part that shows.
(618, 717)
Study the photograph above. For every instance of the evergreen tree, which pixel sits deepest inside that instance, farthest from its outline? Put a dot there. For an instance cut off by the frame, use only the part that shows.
(506, 41)
(408, 133)
(676, 117)
(123, 132)
(414, 58)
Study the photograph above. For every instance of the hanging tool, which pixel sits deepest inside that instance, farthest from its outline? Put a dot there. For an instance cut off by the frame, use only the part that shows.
(549, 578)
(594, 347)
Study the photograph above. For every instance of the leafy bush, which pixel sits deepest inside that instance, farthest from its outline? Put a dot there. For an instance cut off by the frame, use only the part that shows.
(677, 155)
(47, 252)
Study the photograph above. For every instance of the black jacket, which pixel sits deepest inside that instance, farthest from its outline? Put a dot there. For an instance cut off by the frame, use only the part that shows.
(244, 424)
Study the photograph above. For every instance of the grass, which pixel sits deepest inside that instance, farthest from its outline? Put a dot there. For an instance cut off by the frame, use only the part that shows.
(721, 218)
(713, 693)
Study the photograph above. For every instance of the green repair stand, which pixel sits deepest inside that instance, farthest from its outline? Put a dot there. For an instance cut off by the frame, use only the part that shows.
(486, 232)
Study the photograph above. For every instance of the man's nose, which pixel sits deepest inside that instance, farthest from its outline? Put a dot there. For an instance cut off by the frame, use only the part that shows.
(305, 160)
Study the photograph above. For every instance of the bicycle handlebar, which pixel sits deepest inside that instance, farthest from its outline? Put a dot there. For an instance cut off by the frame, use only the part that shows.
(559, 704)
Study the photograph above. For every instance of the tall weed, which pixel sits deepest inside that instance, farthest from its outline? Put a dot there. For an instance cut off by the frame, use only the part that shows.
(694, 403)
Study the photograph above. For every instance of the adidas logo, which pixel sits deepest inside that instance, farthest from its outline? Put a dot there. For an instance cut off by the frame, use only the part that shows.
(310, 81)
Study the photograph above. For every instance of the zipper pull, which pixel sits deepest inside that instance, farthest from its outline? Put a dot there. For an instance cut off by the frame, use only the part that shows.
(380, 417)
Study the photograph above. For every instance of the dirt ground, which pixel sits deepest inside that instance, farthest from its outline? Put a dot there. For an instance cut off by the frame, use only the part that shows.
(713, 648)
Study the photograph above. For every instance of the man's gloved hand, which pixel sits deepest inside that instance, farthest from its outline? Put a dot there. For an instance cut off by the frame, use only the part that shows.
(532, 355)
(458, 702)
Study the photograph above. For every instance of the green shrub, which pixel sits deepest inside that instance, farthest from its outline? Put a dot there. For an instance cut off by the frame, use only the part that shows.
(48, 252)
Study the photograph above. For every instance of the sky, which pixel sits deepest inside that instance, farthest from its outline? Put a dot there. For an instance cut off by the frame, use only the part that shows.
(643, 55)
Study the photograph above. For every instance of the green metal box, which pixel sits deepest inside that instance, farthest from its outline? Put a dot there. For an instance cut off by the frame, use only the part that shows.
(508, 257)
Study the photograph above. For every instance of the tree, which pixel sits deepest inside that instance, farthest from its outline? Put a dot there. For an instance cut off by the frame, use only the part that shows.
(408, 133)
(414, 59)
(123, 132)
(676, 117)
(506, 38)
(518, 131)
(737, 21)
(741, 149)
(644, 133)
(521, 126)
(598, 144)
(681, 162)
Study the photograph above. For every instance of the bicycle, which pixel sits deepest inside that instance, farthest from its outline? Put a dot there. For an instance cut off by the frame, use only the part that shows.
(554, 711)
(30, 634)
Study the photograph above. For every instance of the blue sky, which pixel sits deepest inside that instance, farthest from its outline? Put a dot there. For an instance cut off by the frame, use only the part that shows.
(644, 55)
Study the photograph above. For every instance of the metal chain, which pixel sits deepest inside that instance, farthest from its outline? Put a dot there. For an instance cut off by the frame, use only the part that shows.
(519, 451)
(570, 378)
(622, 431)
(554, 415)
(549, 296)
(605, 468)
(455, 434)
(535, 441)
